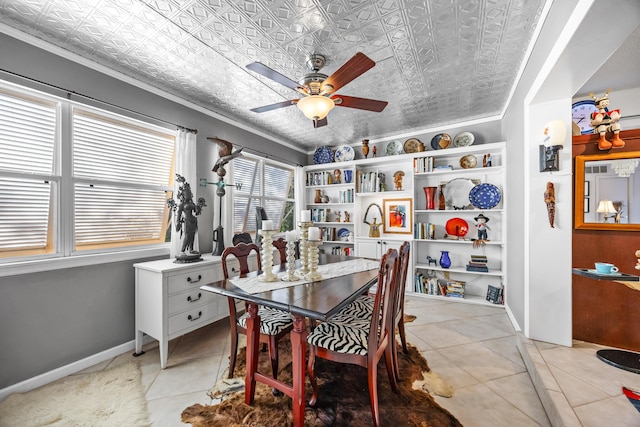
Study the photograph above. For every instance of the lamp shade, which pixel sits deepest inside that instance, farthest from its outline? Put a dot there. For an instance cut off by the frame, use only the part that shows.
(316, 106)
(554, 133)
(605, 207)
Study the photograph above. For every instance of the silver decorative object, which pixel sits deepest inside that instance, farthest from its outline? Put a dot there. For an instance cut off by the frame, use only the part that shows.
(291, 275)
(267, 256)
(304, 248)
(314, 255)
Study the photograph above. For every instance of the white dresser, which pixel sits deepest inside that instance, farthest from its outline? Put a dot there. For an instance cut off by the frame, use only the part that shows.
(170, 303)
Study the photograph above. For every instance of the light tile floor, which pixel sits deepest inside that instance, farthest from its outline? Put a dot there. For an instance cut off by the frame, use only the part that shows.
(472, 347)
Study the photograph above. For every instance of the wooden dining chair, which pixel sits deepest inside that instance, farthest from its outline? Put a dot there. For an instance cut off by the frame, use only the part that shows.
(281, 245)
(359, 344)
(398, 322)
(274, 324)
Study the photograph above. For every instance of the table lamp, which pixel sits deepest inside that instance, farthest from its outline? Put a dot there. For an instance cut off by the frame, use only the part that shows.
(606, 207)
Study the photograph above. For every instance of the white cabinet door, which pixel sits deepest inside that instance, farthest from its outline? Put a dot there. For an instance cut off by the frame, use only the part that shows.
(368, 248)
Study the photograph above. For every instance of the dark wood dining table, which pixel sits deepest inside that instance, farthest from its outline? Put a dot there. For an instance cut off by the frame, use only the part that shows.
(318, 301)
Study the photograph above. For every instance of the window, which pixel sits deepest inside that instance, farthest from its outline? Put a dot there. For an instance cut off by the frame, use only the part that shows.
(262, 182)
(74, 178)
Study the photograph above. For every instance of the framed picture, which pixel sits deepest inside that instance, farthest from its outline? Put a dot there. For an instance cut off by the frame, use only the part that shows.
(398, 216)
(586, 188)
(586, 205)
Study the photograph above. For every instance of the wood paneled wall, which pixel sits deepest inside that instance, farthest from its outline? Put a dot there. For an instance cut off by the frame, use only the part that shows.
(606, 312)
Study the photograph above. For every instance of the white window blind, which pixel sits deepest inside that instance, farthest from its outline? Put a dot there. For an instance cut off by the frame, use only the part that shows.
(122, 176)
(261, 182)
(27, 144)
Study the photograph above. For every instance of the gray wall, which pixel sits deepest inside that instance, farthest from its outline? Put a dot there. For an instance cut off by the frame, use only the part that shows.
(51, 319)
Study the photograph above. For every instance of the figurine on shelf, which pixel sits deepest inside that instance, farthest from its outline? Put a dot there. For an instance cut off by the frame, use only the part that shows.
(365, 148)
(336, 176)
(347, 216)
(375, 151)
(383, 184)
(431, 260)
(481, 225)
(397, 180)
(604, 121)
(338, 217)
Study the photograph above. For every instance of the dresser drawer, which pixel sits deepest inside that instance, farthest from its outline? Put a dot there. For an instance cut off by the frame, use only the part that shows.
(190, 299)
(194, 279)
(198, 316)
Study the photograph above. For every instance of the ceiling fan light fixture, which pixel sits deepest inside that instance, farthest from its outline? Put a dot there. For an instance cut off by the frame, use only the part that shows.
(315, 107)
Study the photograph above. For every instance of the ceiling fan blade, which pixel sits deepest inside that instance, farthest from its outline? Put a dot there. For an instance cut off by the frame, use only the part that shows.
(357, 65)
(359, 103)
(320, 123)
(262, 69)
(274, 106)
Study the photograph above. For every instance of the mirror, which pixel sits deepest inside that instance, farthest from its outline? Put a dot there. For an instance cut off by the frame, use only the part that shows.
(604, 191)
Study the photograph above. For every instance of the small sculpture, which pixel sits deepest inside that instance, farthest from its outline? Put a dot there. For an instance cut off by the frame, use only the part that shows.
(481, 225)
(550, 201)
(397, 180)
(431, 260)
(336, 176)
(337, 216)
(347, 216)
(604, 121)
(185, 219)
(375, 151)
(381, 180)
(365, 148)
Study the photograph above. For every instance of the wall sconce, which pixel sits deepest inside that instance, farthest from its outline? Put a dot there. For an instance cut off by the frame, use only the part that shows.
(554, 135)
(606, 207)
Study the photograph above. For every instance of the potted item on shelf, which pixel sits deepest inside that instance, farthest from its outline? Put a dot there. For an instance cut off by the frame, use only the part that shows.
(445, 261)
(430, 194)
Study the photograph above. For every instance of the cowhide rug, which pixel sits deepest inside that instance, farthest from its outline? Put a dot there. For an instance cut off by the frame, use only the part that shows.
(343, 397)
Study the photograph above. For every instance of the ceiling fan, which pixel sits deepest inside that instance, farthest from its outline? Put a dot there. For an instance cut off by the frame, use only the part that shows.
(318, 89)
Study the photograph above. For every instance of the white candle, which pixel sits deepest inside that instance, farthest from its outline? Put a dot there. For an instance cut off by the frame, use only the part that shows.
(267, 224)
(305, 216)
(314, 233)
(291, 236)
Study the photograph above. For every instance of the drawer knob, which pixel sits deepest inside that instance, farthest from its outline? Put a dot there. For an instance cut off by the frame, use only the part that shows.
(190, 280)
(193, 319)
(194, 300)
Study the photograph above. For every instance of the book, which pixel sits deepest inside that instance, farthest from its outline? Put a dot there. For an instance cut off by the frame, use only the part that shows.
(479, 269)
(494, 294)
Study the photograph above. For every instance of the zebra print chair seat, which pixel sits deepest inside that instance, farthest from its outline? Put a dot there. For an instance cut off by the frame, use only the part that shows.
(274, 324)
(360, 342)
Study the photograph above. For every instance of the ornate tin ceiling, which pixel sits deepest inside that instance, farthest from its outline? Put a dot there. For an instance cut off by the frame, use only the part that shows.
(437, 61)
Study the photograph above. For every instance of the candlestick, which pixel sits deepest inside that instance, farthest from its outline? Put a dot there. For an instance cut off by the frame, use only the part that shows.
(314, 255)
(290, 275)
(304, 248)
(267, 256)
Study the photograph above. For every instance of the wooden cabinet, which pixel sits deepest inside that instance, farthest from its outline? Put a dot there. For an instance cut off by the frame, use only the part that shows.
(375, 248)
(169, 302)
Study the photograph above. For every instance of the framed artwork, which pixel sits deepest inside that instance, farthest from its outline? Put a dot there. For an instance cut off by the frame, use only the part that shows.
(586, 205)
(398, 216)
(586, 189)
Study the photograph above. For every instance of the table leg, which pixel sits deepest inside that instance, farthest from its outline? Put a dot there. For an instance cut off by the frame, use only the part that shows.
(298, 357)
(253, 341)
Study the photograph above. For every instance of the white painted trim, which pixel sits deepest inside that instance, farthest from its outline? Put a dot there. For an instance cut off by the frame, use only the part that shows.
(71, 368)
(59, 263)
(512, 318)
(10, 31)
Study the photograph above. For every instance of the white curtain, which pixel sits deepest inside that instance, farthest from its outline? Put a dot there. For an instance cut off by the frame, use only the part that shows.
(185, 166)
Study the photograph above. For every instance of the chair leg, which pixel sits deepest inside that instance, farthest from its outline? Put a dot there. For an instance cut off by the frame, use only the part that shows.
(393, 345)
(233, 353)
(312, 376)
(273, 355)
(390, 360)
(372, 376)
(403, 337)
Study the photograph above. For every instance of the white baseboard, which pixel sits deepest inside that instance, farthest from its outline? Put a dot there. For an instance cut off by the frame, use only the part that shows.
(71, 368)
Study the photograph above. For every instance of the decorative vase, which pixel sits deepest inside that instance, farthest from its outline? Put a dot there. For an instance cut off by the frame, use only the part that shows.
(445, 261)
(365, 148)
(430, 194)
(318, 198)
(442, 205)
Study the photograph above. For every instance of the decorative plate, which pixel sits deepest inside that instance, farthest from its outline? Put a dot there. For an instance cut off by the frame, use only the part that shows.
(394, 148)
(322, 155)
(440, 141)
(456, 192)
(485, 196)
(468, 162)
(457, 227)
(343, 234)
(344, 154)
(413, 145)
(463, 139)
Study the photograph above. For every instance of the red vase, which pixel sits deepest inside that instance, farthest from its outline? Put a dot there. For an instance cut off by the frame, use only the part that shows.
(430, 194)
